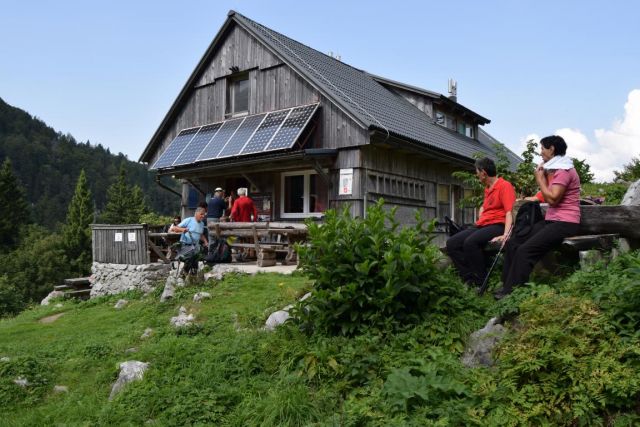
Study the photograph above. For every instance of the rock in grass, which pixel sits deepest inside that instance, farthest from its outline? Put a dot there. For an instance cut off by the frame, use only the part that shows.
(132, 370)
(121, 303)
(168, 292)
(481, 344)
(275, 319)
(22, 382)
(60, 389)
(5, 359)
(201, 296)
(52, 295)
(182, 319)
(147, 333)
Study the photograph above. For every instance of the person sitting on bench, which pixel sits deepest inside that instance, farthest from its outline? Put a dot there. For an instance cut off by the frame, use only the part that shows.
(559, 187)
(466, 248)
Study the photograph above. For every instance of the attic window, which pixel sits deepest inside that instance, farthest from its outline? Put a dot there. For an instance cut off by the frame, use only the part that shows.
(238, 95)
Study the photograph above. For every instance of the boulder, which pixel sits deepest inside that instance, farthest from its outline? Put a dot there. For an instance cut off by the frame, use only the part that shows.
(168, 292)
(182, 319)
(52, 295)
(275, 319)
(201, 296)
(132, 370)
(481, 344)
(632, 196)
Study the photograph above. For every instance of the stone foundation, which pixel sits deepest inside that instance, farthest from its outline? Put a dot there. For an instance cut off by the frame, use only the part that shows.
(110, 279)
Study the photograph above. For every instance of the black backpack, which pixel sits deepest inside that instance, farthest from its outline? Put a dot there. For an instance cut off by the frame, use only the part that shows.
(219, 252)
(528, 215)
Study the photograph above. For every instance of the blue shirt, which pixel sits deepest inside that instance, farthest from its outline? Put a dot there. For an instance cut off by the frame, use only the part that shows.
(216, 207)
(195, 230)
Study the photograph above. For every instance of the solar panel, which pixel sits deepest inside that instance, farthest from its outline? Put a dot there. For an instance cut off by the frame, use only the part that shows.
(265, 132)
(292, 127)
(242, 135)
(197, 144)
(220, 139)
(175, 148)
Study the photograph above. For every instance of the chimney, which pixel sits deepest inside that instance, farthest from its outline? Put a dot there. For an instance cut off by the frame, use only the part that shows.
(453, 90)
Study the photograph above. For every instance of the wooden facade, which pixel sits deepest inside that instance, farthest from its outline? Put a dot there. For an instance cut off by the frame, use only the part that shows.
(406, 177)
(120, 244)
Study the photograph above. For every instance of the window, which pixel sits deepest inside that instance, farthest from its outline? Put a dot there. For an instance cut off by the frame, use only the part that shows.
(444, 201)
(465, 129)
(238, 95)
(304, 194)
(440, 119)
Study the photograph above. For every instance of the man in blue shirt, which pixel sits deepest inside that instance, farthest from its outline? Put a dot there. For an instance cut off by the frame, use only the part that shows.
(216, 207)
(192, 228)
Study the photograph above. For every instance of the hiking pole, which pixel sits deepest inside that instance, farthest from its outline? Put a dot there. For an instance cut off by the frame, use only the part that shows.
(485, 283)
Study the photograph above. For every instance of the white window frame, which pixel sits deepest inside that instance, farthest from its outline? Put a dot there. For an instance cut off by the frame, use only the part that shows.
(306, 194)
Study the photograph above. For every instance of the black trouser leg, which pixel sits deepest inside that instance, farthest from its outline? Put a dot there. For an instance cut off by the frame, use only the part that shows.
(466, 250)
(522, 258)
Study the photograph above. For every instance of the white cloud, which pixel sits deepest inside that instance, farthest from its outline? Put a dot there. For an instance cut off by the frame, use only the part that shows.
(609, 149)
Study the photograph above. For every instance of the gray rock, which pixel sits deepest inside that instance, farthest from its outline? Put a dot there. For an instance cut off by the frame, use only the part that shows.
(58, 305)
(132, 370)
(147, 333)
(182, 319)
(481, 344)
(632, 196)
(275, 319)
(201, 296)
(168, 292)
(60, 389)
(5, 359)
(131, 350)
(52, 295)
(22, 382)
(121, 303)
(589, 258)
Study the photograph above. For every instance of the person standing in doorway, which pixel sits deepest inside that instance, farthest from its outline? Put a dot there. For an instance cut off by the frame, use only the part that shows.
(216, 207)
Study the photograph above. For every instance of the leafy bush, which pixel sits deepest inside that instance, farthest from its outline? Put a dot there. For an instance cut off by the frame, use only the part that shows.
(370, 274)
(611, 192)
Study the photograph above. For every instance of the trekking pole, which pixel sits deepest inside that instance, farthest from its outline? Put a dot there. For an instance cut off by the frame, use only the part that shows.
(485, 283)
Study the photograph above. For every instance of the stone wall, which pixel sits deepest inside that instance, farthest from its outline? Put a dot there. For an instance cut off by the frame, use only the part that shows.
(110, 279)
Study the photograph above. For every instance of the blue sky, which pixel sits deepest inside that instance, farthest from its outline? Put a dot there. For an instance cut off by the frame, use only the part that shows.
(108, 71)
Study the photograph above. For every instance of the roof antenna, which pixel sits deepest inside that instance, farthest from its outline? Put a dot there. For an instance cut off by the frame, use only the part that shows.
(453, 90)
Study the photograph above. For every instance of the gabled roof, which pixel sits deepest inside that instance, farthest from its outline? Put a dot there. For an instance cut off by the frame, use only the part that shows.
(354, 91)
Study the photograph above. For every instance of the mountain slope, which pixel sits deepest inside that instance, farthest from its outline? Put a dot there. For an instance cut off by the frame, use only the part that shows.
(48, 164)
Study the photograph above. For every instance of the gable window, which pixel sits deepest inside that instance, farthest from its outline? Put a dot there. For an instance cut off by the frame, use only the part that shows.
(465, 129)
(303, 194)
(238, 95)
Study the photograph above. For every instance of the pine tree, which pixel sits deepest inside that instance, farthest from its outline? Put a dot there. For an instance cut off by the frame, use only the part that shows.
(76, 231)
(138, 204)
(14, 211)
(118, 201)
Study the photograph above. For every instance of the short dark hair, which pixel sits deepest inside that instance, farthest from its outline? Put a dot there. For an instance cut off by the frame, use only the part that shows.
(487, 165)
(555, 141)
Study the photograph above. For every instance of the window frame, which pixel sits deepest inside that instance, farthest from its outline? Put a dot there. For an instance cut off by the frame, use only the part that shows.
(232, 82)
(305, 195)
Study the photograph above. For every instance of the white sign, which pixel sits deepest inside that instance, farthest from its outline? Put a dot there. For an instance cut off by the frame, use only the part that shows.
(131, 237)
(346, 182)
(118, 237)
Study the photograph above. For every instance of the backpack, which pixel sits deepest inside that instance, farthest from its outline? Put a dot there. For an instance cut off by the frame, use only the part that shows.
(528, 215)
(219, 252)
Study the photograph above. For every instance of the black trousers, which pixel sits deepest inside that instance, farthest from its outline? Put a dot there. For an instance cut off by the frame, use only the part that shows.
(521, 256)
(466, 250)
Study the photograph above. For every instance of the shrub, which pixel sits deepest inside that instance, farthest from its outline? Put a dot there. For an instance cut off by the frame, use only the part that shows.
(370, 274)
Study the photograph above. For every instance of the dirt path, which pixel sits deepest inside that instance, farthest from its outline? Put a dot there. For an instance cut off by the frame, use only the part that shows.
(51, 319)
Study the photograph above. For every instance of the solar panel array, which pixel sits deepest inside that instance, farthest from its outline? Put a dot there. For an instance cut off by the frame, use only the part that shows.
(265, 132)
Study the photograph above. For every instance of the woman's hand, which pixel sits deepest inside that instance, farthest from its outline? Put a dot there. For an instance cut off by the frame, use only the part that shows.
(501, 238)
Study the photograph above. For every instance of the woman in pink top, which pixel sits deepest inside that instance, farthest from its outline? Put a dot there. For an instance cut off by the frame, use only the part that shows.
(560, 188)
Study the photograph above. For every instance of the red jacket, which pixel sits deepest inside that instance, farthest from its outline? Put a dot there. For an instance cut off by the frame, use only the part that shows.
(242, 210)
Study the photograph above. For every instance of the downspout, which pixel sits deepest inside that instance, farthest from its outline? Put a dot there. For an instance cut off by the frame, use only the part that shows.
(167, 188)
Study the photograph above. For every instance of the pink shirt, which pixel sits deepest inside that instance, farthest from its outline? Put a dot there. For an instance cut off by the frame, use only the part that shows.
(568, 208)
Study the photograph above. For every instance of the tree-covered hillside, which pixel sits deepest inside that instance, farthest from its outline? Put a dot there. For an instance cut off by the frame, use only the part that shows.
(48, 164)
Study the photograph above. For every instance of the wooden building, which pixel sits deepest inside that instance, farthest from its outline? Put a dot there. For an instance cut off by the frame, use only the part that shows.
(304, 132)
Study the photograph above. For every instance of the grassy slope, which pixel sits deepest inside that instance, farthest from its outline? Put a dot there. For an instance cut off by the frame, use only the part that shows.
(191, 376)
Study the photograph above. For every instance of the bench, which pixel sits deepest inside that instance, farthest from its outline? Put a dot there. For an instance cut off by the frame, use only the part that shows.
(265, 238)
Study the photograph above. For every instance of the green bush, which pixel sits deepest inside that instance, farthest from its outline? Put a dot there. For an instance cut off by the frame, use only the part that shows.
(372, 275)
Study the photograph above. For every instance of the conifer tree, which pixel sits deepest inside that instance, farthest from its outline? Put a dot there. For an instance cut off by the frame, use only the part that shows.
(118, 200)
(76, 231)
(138, 205)
(14, 211)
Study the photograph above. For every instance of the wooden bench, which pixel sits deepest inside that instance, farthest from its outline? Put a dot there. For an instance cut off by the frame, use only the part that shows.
(265, 238)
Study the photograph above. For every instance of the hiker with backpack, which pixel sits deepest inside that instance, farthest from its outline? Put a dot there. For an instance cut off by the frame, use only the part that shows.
(466, 247)
(193, 232)
(560, 188)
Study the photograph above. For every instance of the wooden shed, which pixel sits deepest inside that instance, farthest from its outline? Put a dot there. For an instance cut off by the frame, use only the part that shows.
(306, 132)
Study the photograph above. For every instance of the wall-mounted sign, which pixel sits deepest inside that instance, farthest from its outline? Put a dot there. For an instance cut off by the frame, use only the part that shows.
(118, 237)
(131, 237)
(346, 182)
